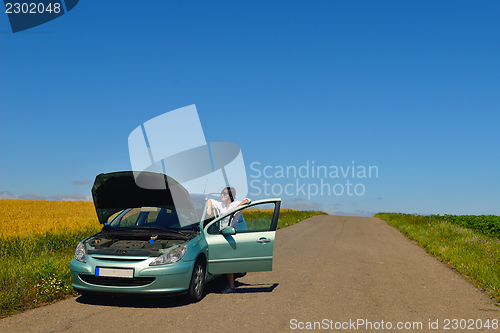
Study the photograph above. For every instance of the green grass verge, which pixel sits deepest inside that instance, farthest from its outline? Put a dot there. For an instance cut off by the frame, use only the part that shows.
(289, 217)
(474, 254)
(34, 270)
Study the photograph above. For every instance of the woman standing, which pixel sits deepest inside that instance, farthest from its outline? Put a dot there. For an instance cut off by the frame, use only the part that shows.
(228, 203)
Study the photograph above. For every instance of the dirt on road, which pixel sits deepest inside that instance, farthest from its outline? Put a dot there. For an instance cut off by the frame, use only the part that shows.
(332, 273)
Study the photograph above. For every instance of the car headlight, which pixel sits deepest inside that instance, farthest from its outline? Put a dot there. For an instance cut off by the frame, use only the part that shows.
(80, 252)
(170, 257)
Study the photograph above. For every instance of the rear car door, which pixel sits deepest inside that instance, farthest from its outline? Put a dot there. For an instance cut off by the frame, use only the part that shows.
(249, 250)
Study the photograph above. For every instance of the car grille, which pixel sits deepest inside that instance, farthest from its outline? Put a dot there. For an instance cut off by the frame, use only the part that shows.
(116, 281)
(118, 259)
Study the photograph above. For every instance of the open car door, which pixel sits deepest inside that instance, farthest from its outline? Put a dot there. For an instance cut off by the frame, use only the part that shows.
(233, 251)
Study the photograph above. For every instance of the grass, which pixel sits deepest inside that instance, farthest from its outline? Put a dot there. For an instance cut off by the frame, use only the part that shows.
(34, 270)
(287, 217)
(38, 241)
(290, 216)
(474, 254)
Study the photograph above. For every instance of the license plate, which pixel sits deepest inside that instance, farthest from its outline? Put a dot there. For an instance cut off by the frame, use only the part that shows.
(114, 272)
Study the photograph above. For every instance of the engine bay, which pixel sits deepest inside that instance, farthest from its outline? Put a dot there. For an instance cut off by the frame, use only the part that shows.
(132, 244)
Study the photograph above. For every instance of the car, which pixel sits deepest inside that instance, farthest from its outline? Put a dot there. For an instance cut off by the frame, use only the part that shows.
(150, 245)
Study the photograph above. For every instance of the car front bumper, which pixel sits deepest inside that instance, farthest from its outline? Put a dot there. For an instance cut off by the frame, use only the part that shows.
(171, 278)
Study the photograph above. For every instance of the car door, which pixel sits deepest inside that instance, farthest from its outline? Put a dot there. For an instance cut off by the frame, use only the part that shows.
(249, 250)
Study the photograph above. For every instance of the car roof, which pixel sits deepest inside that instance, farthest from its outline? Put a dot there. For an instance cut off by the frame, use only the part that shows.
(201, 198)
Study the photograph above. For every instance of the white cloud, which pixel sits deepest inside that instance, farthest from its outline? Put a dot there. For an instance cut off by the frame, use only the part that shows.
(32, 197)
(81, 182)
(72, 197)
(298, 204)
(64, 197)
(354, 213)
(7, 195)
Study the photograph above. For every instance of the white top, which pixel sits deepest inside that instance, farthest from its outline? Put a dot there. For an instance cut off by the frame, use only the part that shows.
(222, 208)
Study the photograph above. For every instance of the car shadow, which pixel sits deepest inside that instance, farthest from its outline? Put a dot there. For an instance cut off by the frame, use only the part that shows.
(245, 288)
(219, 284)
(213, 287)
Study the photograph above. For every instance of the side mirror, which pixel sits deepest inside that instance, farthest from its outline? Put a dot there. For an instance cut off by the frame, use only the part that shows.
(229, 231)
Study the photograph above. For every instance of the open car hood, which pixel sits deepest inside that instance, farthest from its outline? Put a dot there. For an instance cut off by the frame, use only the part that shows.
(113, 192)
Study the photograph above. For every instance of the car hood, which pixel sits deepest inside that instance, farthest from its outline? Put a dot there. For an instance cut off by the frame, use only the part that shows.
(113, 192)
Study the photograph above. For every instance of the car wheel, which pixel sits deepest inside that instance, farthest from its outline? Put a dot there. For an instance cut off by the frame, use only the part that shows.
(197, 285)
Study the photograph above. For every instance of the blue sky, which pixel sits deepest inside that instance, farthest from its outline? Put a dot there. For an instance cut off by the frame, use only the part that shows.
(409, 87)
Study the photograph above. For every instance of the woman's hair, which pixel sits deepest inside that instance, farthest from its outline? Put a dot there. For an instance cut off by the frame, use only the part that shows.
(231, 192)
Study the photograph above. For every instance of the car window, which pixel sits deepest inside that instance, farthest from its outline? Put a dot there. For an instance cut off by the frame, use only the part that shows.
(258, 218)
(200, 205)
(129, 218)
(160, 217)
(152, 217)
(251, 219)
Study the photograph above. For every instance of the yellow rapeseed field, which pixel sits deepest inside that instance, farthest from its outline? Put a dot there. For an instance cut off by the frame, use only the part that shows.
(29, 217)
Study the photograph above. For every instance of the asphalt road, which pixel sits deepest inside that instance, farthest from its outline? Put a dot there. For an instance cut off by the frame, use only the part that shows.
(334, 270)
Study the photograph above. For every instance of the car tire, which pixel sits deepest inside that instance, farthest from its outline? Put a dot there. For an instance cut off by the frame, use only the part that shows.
(197, 285)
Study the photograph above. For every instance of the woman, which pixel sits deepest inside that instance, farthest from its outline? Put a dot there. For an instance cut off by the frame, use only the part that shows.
(228, 203)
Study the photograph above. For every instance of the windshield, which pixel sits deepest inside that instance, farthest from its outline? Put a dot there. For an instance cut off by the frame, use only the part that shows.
(154, 218)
